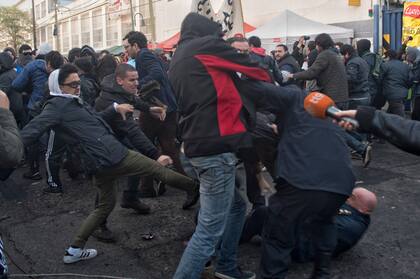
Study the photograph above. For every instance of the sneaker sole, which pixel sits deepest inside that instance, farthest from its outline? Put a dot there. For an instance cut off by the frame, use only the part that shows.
(222, 276)
(70, 261)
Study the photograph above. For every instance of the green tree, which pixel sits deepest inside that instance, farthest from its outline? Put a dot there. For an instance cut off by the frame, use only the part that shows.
(15, 25)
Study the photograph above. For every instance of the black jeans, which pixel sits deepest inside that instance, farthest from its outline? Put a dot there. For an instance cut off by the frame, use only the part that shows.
(396, 107)
(289, 208)
(415, 115)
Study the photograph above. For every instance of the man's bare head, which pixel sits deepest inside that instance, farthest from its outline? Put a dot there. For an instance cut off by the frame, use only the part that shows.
(363, 200)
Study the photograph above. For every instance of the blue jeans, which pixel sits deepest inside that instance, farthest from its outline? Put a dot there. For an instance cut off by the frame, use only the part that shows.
(354, 139)
(220, 220)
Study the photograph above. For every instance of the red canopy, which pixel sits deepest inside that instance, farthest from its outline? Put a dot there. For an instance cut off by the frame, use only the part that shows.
(169, 43)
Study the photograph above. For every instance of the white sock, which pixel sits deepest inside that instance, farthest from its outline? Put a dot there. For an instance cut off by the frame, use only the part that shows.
(74, 251)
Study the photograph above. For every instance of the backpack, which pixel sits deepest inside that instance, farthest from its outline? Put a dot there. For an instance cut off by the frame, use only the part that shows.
(376, 69)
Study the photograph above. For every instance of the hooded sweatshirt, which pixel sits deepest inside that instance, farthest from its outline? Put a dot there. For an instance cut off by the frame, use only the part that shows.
(413, 56)
(7, 73)
(128, 129)
(212, 114)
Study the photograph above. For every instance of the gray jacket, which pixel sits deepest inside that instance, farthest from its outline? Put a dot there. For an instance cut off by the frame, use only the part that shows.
(330, 73)
(11, 146)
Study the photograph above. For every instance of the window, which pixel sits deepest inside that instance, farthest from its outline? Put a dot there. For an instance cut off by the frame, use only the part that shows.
(50, 34)
(43, 9)
(98, 40)
(125, 24)
(65, 35)
(75, 32)
(111, 32)
(43, 34)
(38, 11)
(85, 25)
(51, 6)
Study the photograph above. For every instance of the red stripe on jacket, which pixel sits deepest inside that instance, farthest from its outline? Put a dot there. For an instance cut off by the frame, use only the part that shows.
(229, 103)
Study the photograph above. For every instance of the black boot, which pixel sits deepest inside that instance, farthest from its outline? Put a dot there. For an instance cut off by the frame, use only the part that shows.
(103, 234)
(33, 172)
(130, 200)
(322, 266)
(192, 197)
(151, 188)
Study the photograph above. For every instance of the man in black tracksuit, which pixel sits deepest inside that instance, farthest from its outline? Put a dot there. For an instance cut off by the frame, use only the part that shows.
(313, 178)
(101, 154)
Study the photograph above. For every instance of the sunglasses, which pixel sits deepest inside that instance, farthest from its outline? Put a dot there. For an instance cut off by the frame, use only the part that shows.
(73, 84)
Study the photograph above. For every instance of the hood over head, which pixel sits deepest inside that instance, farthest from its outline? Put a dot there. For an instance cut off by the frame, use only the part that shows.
(109, 85)
(54, 86)
(6, 62)
(196, 26)
(363, 46)
(259, 51)
(413, 54)
(44, 48)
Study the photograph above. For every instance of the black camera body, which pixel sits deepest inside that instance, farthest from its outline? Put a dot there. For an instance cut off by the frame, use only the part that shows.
(306, 38)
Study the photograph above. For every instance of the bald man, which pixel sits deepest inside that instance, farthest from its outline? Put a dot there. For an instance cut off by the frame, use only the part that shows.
(352, 221)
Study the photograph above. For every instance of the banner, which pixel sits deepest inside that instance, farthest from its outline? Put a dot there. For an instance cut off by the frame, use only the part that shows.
(411, 23)
(229, 15)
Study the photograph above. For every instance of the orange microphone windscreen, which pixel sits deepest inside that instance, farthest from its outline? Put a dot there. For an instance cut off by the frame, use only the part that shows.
(317, 104)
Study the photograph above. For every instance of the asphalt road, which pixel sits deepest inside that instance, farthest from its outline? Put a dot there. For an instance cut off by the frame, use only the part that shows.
(37, 227)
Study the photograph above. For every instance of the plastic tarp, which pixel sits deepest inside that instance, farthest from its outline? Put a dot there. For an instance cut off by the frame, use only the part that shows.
(287, 27)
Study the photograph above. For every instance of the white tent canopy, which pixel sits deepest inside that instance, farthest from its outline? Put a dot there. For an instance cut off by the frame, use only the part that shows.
(287, 27)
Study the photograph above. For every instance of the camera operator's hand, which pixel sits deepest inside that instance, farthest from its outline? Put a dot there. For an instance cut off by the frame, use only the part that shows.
(346, 113)
(123, 109)
(4, 101)
(164, 160)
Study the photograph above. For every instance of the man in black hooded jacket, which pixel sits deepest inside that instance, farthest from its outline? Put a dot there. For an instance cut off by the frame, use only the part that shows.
(212, 125)
(121, 87)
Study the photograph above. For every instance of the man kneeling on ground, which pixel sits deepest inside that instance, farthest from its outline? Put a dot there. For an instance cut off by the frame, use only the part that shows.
(351, 222)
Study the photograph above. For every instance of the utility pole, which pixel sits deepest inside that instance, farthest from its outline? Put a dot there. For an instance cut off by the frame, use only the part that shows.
(152, 21)
(56, 33)
(132, 15)
(33, 24)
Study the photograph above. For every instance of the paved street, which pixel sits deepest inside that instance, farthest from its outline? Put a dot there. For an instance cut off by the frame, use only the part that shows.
(37, 227)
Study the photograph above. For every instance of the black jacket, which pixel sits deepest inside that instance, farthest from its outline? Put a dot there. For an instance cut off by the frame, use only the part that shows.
(266, 62)
(330, 74)
(401, 132)
(82, 129)
(150, 67)
(211, 110)
(7, 73)
(124, 129)
(289, 64)
(312, 153)
(89, 89)
(357, 76)
(395, 80)
(373, 81)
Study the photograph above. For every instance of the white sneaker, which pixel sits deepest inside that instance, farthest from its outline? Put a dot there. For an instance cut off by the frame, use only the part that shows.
(73, 255)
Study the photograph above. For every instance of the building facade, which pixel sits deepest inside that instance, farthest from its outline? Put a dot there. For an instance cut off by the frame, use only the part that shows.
(103, 23)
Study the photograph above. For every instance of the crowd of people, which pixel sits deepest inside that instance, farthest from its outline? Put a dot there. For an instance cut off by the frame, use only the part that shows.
(189, 121)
